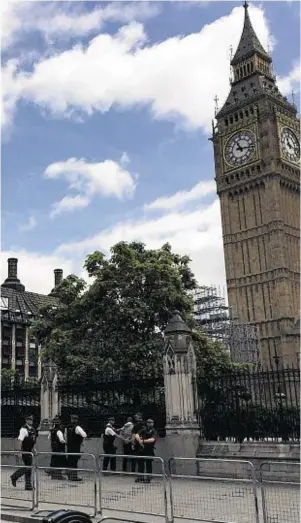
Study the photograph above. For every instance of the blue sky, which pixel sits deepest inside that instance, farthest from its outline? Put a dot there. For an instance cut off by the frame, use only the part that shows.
(106, 117)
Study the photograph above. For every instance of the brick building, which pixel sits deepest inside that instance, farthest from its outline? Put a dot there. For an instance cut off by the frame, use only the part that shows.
(257, 158)
(19, 351)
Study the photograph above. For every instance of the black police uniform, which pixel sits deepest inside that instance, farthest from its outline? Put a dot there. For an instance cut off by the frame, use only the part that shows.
(139, 425)
(147, 450)
(57, 461)
(74, 442)
(26, 446)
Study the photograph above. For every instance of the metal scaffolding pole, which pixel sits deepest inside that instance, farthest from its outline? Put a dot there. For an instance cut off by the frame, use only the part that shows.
(220, 324)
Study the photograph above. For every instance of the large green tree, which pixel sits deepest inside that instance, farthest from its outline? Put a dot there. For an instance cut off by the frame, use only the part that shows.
(118, 321)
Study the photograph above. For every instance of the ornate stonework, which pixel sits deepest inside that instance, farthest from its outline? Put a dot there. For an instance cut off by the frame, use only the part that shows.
(179, 376)
(257, 154)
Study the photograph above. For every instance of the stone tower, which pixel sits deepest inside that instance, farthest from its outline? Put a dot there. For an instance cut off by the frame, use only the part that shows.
(257, 153)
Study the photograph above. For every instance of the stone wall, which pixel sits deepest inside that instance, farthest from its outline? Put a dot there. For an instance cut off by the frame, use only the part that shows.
(276, 453)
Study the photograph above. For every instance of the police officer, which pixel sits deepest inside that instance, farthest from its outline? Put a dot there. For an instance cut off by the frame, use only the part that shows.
(27, 439)
(108, 445)
(58, 444)
(147, 440)
(75, 437)
(139, 424)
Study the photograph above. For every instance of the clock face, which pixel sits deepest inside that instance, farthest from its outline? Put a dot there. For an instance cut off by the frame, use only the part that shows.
(240, 148)
(290, 146)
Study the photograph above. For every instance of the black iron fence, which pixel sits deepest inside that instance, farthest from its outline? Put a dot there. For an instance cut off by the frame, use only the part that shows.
(251, 403)
(121, 396)
(18, 399)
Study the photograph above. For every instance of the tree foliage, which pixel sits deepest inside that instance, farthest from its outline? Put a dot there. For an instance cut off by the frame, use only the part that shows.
(117, 322)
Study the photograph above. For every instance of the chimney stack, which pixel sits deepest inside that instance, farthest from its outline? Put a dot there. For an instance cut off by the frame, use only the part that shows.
(58, 276)
(12, 280)
(12, 268)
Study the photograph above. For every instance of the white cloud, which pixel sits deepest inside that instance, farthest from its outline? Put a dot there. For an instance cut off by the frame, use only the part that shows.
(196, 233)
(177, 78)
(199, 191)
(106, 178)
(10, 91)
(31, 224)
(290, 82)
(68, 204)
(68, 19)
(125, 159)
(12, 13)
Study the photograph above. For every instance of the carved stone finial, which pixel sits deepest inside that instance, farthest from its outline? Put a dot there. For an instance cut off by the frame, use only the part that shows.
(177, 325)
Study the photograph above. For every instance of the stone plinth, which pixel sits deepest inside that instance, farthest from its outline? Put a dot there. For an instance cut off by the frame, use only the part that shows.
(182, 428)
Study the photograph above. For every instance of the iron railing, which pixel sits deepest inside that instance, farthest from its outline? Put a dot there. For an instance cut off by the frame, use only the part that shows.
(17, 400)
(251, 404)
(121, 396)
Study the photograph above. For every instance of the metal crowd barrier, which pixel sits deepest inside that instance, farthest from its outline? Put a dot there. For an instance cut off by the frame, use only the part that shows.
(18, 493)
(133, 491)
(280, 499)
(201, 489)
(55, 486)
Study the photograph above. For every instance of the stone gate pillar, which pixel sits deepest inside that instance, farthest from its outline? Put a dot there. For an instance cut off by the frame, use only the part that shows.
(49, 394)
(182, 427)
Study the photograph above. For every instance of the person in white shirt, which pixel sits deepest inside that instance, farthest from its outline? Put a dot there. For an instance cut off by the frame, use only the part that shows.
(108, 445)
(75, 437)
(126, 432)
(26, 442)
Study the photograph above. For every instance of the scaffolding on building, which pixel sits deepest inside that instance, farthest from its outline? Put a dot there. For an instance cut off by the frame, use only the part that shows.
(220, 324)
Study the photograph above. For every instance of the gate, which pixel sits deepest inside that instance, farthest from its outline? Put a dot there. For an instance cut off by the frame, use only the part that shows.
(67, 493)
(124, 491)
(203, 489)
(16, 496)
(280, 499)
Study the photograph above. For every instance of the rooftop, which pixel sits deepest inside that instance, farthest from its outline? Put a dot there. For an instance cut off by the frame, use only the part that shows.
(19, 305)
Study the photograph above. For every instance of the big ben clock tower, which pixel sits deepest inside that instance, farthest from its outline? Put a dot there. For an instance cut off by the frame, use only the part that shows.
(257, 154)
